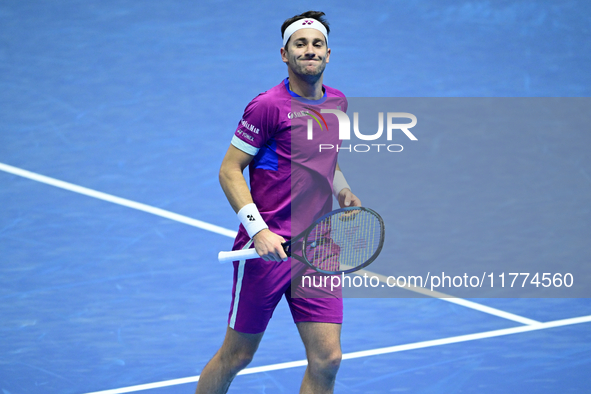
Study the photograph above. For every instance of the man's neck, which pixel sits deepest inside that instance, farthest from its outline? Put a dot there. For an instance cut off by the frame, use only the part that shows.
(310, 89)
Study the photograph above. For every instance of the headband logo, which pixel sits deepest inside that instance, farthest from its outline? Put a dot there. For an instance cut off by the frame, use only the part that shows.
(303, 24)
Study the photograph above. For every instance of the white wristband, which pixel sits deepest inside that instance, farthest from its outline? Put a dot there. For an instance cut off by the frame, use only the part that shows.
(251, 219)
(339, 183)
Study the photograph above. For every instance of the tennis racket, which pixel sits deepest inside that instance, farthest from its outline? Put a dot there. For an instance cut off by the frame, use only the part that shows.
(342, 241)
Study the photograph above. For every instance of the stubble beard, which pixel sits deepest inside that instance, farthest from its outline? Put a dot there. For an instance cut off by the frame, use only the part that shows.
(311, 75)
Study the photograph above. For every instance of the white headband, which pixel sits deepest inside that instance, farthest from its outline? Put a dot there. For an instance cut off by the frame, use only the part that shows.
(307, 23)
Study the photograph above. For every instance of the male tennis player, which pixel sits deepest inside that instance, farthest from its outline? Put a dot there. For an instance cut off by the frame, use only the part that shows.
(287, 174)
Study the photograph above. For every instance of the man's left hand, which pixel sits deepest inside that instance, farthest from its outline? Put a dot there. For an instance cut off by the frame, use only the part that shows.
(348, 199)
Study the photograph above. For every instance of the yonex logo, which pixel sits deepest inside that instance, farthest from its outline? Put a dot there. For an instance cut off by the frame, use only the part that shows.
(250, 218)
(307, 22)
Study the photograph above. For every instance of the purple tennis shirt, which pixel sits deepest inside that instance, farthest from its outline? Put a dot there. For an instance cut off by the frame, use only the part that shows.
(290, 176)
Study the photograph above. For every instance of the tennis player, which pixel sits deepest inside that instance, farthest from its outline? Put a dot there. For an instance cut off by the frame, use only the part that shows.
(284, 178)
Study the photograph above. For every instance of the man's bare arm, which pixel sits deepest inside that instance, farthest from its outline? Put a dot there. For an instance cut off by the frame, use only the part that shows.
(267, 243)
(232, 178)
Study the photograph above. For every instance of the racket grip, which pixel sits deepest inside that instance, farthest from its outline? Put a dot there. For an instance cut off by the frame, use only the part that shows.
(245, 254)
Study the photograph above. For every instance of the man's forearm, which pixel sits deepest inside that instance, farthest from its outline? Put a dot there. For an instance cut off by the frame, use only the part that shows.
(235, 188)
(267, 244)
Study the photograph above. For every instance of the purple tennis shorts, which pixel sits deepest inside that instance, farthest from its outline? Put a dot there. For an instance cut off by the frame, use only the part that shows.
(259, 286)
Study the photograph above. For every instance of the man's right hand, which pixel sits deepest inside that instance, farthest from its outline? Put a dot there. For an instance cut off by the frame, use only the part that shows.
(268, 245)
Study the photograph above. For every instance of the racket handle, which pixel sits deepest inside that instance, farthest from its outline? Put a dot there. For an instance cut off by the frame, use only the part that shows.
(245, 254)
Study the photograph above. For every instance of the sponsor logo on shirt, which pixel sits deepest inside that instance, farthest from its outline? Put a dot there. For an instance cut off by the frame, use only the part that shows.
(297, 114)
(248, 126)
(245, 135)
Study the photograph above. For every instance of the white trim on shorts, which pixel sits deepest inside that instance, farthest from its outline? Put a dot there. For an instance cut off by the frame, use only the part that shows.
(239, 278)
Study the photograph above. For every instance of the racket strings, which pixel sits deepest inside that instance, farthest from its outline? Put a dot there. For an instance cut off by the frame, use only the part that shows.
(344, 241)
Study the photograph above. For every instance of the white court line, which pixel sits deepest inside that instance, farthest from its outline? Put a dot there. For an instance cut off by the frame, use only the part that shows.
(530, 325)
(367, 353)
(232, 234)
(117, 200)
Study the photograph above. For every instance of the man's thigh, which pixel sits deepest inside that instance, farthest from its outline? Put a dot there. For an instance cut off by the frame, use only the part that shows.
(316, 305)
(322, 340)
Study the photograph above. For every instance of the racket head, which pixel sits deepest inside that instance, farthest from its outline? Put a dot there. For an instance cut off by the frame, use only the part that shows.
(343, 241)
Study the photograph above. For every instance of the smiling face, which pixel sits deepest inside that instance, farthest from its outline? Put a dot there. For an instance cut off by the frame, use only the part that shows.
(306, 53)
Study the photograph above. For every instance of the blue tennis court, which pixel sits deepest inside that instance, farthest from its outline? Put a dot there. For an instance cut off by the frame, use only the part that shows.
(114, 119)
